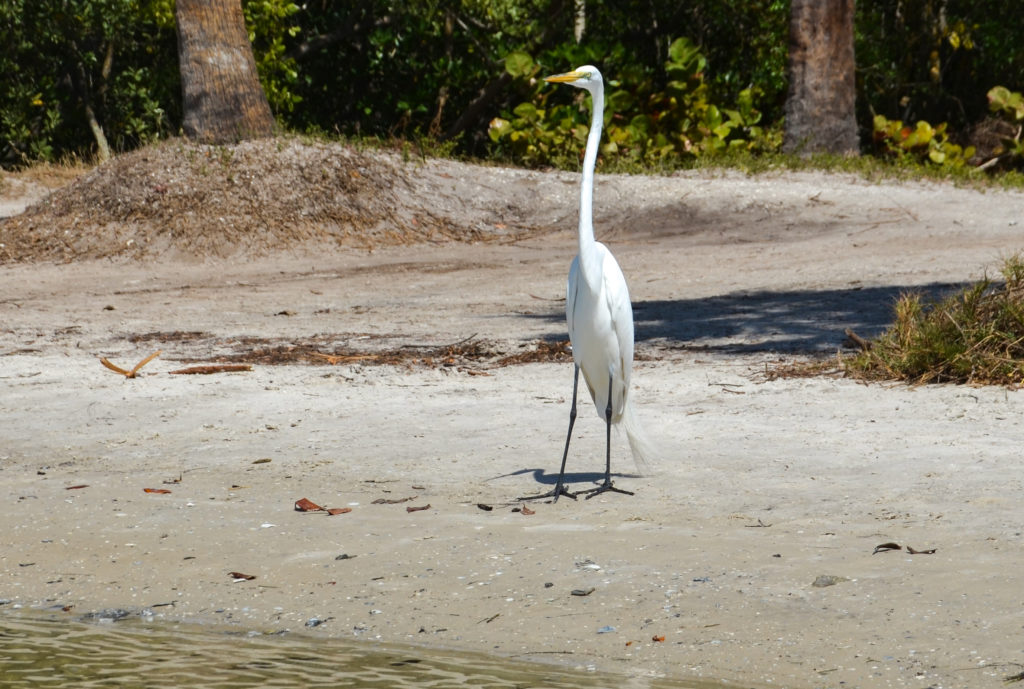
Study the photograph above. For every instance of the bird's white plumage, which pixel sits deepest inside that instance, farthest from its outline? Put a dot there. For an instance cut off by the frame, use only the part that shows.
(598, 309)
(600, 320)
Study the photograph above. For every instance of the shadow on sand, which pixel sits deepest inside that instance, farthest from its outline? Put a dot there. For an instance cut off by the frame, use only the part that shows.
(572, 479)
(799, 321)
(796, 322)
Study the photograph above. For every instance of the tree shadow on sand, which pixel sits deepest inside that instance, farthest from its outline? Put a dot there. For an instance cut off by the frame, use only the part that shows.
(796, 321)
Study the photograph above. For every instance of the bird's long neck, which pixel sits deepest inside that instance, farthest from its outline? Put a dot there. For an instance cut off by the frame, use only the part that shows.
(586, 227)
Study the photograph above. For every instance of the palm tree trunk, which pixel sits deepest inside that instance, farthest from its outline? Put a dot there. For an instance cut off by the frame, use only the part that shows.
(820, 115)
(222, 98)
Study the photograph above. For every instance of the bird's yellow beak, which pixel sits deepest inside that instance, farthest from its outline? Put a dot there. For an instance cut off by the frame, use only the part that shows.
(566, 78)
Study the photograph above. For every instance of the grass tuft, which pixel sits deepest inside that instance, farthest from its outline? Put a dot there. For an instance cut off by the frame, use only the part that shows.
(973, 336)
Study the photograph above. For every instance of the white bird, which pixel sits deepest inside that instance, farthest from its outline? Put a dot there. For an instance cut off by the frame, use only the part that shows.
(598, 312)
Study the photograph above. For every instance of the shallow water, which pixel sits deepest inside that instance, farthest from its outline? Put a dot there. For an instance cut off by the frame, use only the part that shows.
(37, 651)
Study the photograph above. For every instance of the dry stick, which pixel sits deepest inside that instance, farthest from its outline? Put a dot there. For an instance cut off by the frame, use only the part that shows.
(335, 358)
(992, 161)
(955, 324)
(858, 340)
(217, 368)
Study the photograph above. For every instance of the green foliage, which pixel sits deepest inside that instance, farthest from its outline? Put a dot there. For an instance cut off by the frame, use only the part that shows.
(119, 57)
(973, 336)
(921, 143)
(743, 41)
(519, 64)
(931, 146)
(400, 68)
(270, 28)
(1007, 103)
(933, 59)
(1010, 106)
(61, 56)
(408, 66)
(643, 124)
(443, 69)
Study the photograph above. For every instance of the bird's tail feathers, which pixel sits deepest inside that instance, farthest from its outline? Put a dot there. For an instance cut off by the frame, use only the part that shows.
(645, 451)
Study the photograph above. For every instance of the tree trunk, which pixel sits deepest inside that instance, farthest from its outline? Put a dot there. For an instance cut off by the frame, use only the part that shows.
(222, 98)
(102, 147)
(820, 116)
(580, 23)
(82, 85)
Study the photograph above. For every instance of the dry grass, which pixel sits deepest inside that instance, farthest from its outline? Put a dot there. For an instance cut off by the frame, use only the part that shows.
(53, 175)
(974, 336)
(806, 368)
(470, 355)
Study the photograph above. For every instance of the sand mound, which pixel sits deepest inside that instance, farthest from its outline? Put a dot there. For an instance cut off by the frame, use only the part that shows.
(252, 198)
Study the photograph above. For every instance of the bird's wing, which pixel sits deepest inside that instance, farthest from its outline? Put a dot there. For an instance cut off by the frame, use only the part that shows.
(621, 311)
(571, 292)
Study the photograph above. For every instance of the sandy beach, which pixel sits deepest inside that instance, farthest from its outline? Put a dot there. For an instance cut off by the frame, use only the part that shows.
(747, 556)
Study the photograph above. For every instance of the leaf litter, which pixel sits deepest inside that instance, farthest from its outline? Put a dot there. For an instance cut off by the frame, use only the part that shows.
(471, 355)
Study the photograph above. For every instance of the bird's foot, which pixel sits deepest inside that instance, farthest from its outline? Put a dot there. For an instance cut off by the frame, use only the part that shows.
(605, 487)
(558, 491)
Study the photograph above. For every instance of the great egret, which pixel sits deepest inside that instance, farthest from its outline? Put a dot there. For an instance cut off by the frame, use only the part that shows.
(598, 313)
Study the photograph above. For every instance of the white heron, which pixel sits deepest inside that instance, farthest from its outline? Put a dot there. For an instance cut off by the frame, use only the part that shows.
(599, 314)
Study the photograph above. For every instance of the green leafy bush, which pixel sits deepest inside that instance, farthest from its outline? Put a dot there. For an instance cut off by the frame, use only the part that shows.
(63, 59)
(1009, 105)
(270, 28)
(643, 124)
(433, 68)
(921, 143)
(933, 61)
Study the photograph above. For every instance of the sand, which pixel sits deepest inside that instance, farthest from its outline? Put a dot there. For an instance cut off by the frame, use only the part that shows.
(764, 488)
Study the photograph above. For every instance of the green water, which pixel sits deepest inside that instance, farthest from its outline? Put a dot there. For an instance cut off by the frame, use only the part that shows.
(38, 651)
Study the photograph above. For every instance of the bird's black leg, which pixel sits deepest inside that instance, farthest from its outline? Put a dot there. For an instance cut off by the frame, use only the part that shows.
(607, 485)
(559, 488)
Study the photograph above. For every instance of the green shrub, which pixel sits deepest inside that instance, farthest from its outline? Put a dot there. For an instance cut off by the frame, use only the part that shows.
(921, 143)
(270, 28)
(1009, 105)
(642, 124)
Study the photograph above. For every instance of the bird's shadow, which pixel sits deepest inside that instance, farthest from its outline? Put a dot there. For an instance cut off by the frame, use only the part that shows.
(794, 321)
(542, 477)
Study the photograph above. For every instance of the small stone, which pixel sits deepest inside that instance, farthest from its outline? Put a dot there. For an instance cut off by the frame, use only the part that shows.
(824, 580)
